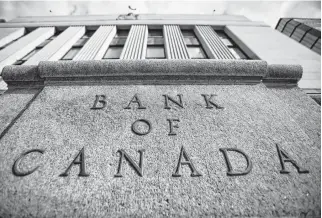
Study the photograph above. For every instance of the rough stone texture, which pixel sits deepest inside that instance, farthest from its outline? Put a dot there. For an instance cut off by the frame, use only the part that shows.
(283, 71)
(18, 73)
(282, 74)
(299, 103)
(254, 119)
(11, 103)
(152, 67)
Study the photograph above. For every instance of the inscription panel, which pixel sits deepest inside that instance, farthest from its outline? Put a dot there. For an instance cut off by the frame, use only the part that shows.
(158, 150)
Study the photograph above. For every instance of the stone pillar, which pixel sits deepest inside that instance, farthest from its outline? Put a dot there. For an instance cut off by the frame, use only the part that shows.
(23, 46)
(97, 45)
(136, 42)
(9, 34)
(58, 47)
(212, 43)
(175, 47)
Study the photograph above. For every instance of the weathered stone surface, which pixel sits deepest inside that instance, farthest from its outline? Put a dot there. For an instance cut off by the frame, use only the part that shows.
(12, 102)
(254, 119)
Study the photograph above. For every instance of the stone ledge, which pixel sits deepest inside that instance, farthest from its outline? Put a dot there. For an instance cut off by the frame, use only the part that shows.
(153, 71)
(283, 75)
(152, 67)
(15, 75)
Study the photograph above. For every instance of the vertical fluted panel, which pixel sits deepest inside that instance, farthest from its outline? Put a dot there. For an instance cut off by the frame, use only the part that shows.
(9, 34)
(175, 46)
(136, 42)
(212, 43)
(58, 47)
(23, 46)
(97, 45)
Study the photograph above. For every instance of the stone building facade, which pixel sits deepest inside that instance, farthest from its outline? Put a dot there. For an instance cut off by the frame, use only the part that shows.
(157, 116)
(29, 40)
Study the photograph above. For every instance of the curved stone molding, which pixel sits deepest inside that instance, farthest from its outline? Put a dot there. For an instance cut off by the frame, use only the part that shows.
(21, 75)
(282, 74)
(7, 35)
(58, 47)
(97, 45)
(23, 46)
(155, 72)
(175, 46)
(136, 42)
(212, 44)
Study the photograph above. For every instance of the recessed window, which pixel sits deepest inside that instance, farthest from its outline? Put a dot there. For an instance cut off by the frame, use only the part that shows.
(191, 41)
(155, 41)
(26, 57)
(88, 34)
(80, 42)
(78, 45)
(194, 47)
(237, 53)
(113, 52)
(196, 52)
(118, 41)
(233, 48)
(44, 43)
(71, 54)
(155, 52)
(122, 33)
(155, 44)
(188, 33)
(155, 33)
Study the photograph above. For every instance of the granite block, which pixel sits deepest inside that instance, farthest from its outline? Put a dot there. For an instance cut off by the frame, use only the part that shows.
(12, 102)
(250, 118)
(212, 67)
(20, 73)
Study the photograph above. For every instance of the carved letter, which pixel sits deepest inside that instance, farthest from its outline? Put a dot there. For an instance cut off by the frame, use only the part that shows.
(80, 162)
(139, 132)
(173, 126)
(284, 157)
(183, 153)
(166, 103)
(102, 101)
(209, 102)
(138, 169)
(15, 170)
(230, 169)
(135, 99)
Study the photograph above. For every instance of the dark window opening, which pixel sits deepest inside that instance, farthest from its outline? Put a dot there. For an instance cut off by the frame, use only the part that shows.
(233, 48)
(194, 47)
(78, 45)
(155, 44)
(27, 57)
(155, 52)
(115, 48)
(155, 33)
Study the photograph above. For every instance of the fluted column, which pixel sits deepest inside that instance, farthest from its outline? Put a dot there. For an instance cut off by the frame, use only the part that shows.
(97, 45)
(175, 46)
(58, 47)
(9, 34)
(23, 46)
(136, 42)
(212, 43)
